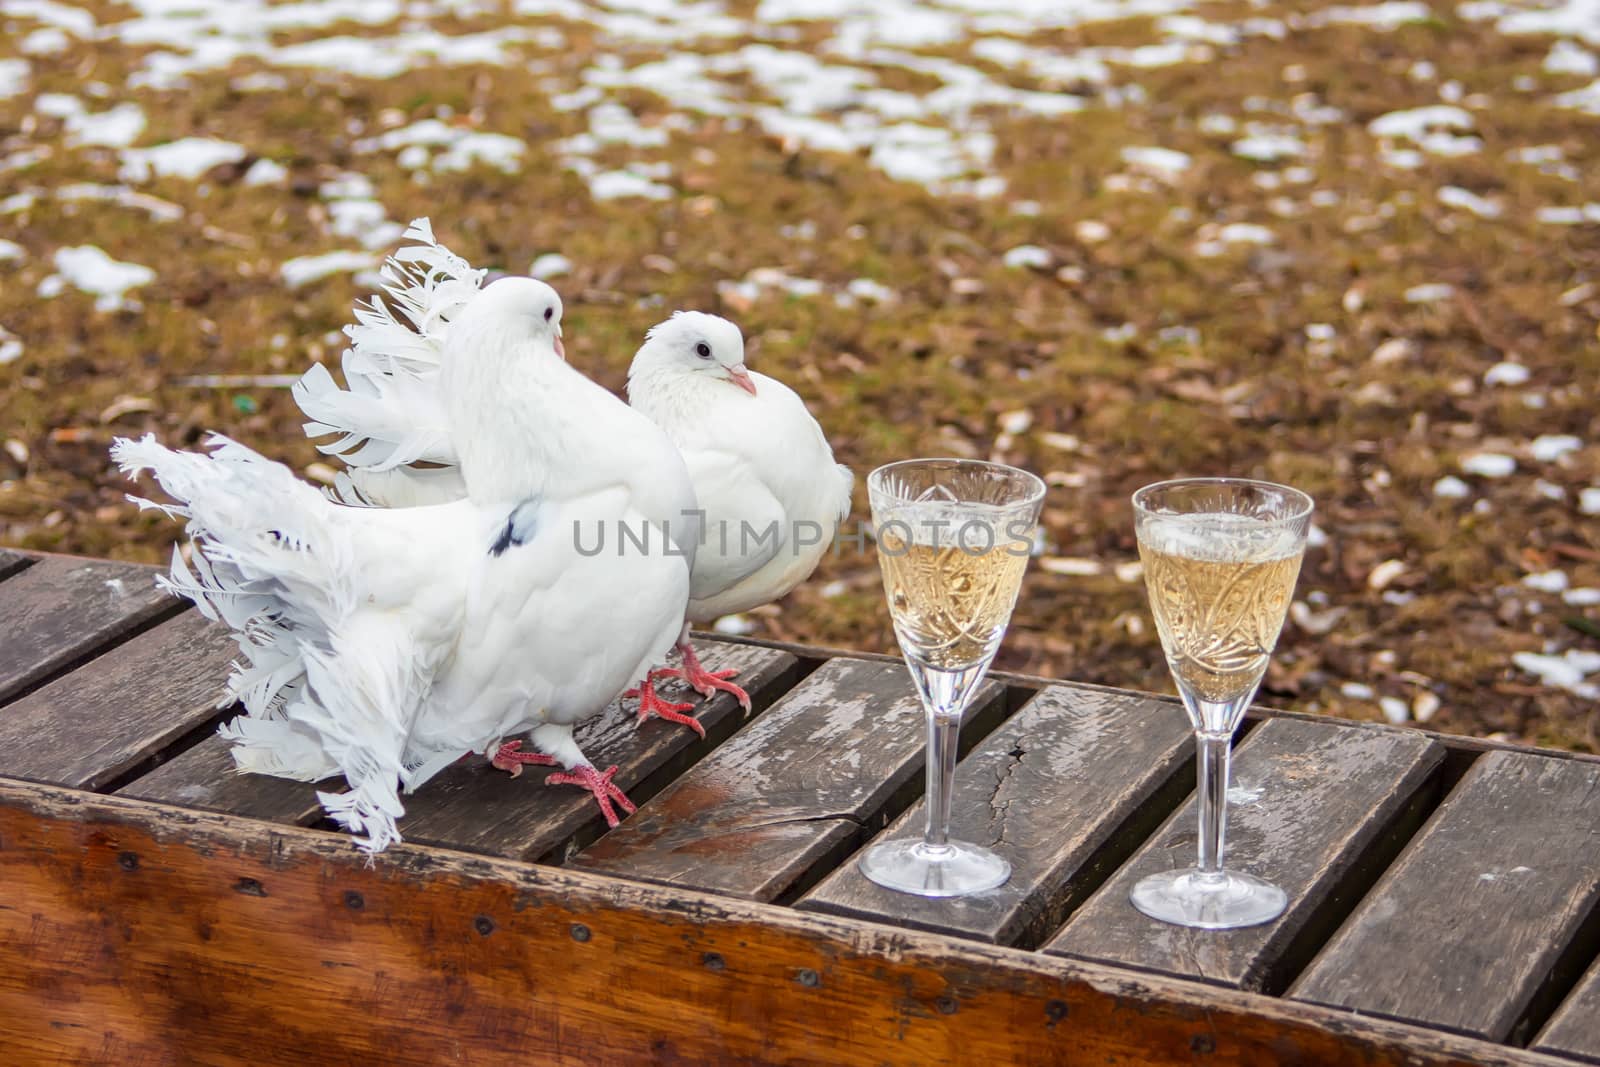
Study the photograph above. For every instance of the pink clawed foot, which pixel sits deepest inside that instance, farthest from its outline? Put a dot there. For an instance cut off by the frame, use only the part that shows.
(706, 683)
(651, 703)
(509, 757)
(600, 784)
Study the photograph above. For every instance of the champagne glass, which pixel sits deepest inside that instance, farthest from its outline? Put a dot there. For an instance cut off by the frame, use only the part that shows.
(953, 537)
(1220, 560)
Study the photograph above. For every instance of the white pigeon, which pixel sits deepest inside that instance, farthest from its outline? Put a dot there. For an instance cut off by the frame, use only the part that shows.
(758, 459)
(385, 644)
(771, 496)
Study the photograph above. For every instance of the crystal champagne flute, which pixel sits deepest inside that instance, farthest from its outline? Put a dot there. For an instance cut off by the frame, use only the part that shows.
(1220, 556)
(953, 538)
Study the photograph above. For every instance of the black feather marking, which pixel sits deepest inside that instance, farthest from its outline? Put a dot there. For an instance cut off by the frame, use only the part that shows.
(521, 526)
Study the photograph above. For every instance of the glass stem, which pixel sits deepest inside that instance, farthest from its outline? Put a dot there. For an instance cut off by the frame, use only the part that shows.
(1213, 753)
(944, 733)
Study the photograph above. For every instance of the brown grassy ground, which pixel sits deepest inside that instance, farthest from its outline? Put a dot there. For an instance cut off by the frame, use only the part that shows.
(1214, 371)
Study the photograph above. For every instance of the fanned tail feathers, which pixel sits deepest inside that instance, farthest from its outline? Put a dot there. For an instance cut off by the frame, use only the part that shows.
(273, 561)
(390, 415)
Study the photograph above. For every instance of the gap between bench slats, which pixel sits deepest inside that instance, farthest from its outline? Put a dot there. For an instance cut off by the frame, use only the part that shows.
(789, 795)
(1471, 927)
(60, 611)
(1062, 790)
(99, 723)
(1319, 810)
(473, 807)
(1574, 1030)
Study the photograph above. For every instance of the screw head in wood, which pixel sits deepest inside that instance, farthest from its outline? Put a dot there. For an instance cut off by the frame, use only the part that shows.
(128, 861)
(580, 932)
(808, 978)
(484, 925)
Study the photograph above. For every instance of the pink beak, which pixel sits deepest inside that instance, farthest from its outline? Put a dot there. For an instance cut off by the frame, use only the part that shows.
(741, 377)
(561, 349)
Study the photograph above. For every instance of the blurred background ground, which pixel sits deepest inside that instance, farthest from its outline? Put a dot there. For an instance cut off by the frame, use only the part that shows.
(1356, 249)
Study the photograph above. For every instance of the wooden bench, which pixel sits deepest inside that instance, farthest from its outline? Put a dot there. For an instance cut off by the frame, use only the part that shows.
(157, 907)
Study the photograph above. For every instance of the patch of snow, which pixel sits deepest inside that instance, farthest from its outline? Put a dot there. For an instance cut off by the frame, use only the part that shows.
(14, 77)
(1091, 231)
(1429, 293)
(189, 157)
(1489, 464)
(1451, 488)
(90, 270)
(122, 196)
(734, 626)
(10, 347)
(46, 42)
(266, 172)
(1025, 256)
(1566, 671)
(1466, 200)
(1569, 216)
(1568, 58)
(551, 265)
(1432, 129)
(1547, 581)
(303, 270)
(1586, 100)
(1547, 448)
(10, 251)
(1585, 597)
(1269, 148)
(1356, 691)
(1395, 710)
(618, 184)
(1589, 500)
(875, 292)
(117, 128)
(1506, 373)
(1386, 16)
(1161, 162)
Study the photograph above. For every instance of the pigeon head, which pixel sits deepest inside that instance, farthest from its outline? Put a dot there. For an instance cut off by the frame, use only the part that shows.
(521, 306)
(694, 343)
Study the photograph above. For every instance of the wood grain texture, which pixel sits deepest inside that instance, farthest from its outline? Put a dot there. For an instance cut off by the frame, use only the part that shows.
(472, 806)
(11, 563)
(1574, 1030)
(1046, 790)
(792, 792)
(1463, 930)
(62, 609)
(205, 777)
(101, 721)
(1318, 796)
(154, 935)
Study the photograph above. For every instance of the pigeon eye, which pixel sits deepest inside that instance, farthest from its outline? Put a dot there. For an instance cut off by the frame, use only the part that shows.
(702, 350)
(549, 313)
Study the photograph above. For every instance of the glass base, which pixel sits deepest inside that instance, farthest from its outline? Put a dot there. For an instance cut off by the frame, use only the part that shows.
(953, 870)
(1210, 902)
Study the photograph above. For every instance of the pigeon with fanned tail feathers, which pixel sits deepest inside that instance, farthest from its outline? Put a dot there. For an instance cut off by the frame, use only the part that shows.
(384, 644)
(771, 495)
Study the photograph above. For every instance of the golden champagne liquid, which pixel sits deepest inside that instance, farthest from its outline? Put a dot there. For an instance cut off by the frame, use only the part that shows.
(950, 605)
(1218, 618)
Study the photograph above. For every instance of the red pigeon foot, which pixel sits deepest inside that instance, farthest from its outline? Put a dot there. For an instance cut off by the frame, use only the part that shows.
(651, 703)
(600, 784)
(510, 758)
(706, 683)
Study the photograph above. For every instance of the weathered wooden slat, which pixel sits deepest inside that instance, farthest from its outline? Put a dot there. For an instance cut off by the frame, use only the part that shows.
(146, 934)
(475, 807)
(794, 790)
(1466, 926)
(11, 562)
(1047, 790)
(1574, 1030)
(98, 723)
(61, 610)
(205, 777)
(1321, 798)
